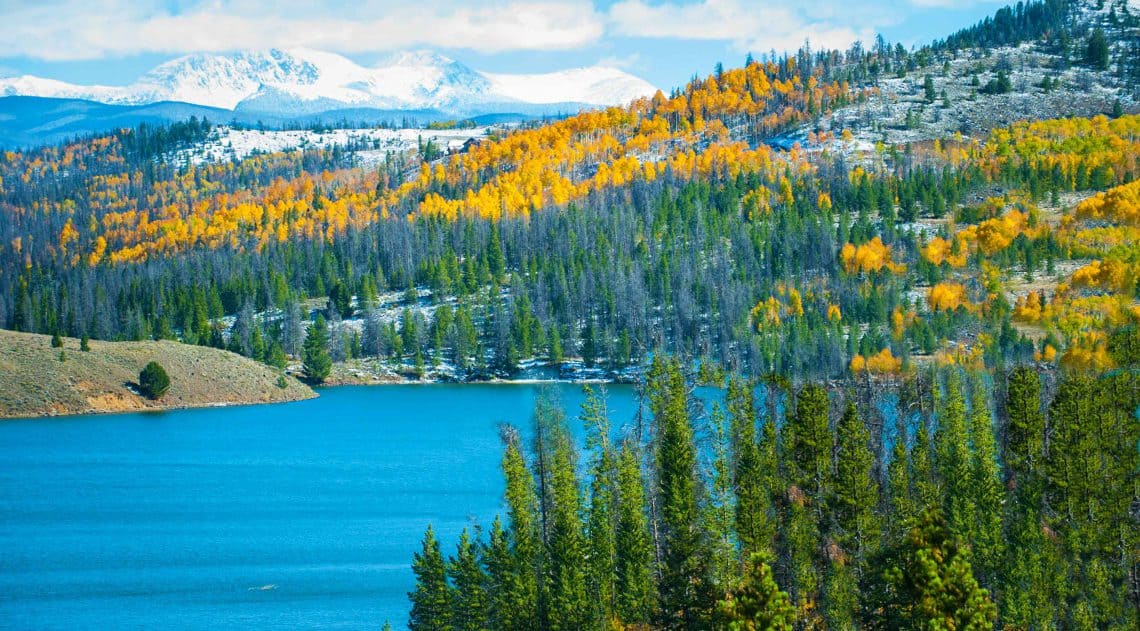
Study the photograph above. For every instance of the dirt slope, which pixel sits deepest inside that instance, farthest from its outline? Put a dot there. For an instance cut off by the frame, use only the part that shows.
(34, 382)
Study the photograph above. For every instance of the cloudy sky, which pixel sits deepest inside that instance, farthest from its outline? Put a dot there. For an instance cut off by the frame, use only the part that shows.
(664, 41)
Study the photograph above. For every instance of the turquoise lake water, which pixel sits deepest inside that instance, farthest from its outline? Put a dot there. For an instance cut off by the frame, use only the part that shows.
(293, 515)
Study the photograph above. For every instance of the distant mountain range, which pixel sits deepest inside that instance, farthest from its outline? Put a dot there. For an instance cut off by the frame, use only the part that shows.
(277, 85)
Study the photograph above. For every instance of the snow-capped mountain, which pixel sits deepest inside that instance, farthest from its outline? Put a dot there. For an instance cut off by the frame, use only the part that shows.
(304, 81)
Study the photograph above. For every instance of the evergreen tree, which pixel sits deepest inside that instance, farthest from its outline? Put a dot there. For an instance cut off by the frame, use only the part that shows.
(855, 493)
(900, 493)
(522, 593)
(930, 584)
(752, 474)
(315, 351)
(633, 565)
(153, 381)
(432, 597)
(495, 258)
(275, 356)
(601, 524)
(926, 489)
(469, 601)
(952, 452)
(502, 587)
(809, 435)
(1096, 54)
(719, 510)
(340, 299)
(841, 595)
(985, 488)
(683, 583)
(801, 543)
(1025, 431)
(758, 604)
(569, 606)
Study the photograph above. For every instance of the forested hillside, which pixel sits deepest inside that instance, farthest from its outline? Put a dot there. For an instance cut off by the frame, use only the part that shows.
(603, 237)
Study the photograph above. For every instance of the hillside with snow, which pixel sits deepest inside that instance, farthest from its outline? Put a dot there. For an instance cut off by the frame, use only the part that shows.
(294, 82)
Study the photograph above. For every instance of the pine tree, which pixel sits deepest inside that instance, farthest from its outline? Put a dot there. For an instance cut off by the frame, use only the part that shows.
(469, 602)
(809, 435)
(927, 491)
(952, 456)
(1035, 580)
(683, 582)
(801, 542)
(719, 510)
(899, 489)
(931, 585)
(432, 598)
(153, 381)
(568, 603)
(1025, 432)
(841, 595)
(986, 490)
(315, 351)
(752, 474)
(758, 604)
(855, 493)
(742, 415)
(275, 356)
(1033, 574)
(600, 528)
(495, 258)
(522, 585)
(633, 566)
(502, 587)
(1096, 54)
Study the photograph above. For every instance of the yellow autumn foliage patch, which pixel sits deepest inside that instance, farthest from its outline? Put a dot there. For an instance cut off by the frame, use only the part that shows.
(946, 296)
(871, 256)
(1118, 205)
(882, 363)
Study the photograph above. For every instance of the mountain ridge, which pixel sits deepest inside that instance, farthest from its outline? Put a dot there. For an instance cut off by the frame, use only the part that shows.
(303, 81)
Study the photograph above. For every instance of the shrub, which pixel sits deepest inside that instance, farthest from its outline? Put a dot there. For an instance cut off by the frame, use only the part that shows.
(153, 381)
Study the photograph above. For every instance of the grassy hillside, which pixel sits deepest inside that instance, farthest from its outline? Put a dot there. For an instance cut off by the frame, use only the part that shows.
(36, 383)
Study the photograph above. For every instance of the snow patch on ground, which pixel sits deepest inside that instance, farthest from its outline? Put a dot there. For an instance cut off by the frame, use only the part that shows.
(370, 146)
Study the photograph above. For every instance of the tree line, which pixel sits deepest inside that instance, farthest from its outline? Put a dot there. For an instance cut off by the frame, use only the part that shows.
(929, 504)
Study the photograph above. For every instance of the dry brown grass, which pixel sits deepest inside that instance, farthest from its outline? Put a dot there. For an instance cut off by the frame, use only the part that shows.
(34, 382)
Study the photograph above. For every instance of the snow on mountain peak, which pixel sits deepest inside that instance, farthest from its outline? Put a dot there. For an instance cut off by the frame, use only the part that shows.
(418, 58)
(301, 80)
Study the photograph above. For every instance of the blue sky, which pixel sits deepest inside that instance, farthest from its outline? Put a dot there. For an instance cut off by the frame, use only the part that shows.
(663, 41)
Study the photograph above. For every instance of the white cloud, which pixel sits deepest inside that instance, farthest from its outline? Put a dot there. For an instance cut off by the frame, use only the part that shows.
(621, 62)
(954, 4)
(94, 29)
(748, 25)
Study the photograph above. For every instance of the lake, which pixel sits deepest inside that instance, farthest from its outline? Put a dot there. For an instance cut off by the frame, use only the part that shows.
(293, 515)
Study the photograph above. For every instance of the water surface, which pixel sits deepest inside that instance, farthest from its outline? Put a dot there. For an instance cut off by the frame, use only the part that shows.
(301, 514)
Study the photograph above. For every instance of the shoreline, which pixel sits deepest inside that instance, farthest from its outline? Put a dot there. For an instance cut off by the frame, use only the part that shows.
(314, 393)
(155, 409)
